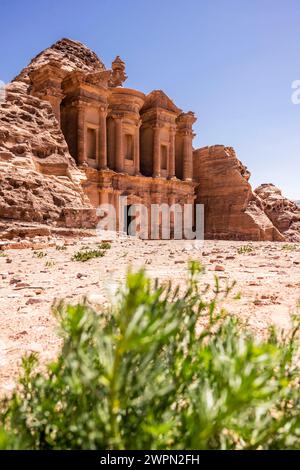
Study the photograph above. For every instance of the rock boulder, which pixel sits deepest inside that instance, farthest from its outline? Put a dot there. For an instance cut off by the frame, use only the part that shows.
(232, 210)
(284, 214)
(39, 180)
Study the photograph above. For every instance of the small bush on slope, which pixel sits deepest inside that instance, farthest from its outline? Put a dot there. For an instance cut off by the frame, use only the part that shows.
(85, 254)
(138, 376)
(245, 249)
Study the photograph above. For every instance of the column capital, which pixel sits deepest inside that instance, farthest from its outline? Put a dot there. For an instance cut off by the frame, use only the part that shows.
(106, 190)
(157, 125)
(103, 109)
(117, 116)
(80, 105)
(51, 91)
(186, 132)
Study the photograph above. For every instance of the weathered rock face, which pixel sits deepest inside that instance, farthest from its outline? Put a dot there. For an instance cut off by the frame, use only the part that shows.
(41, 184)
(71, 55)
(232, 209)
(39, 180)
(284, 214)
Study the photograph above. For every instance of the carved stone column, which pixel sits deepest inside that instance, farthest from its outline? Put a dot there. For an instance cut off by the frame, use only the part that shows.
(155, 213)
(81, 153)
(172, 201)
(156, 152)
(102, 146)
(187, 157)
(116, 196)
(185, 122)
(119, 145)
(104, 196)
(137, 149)
(172, 155)
(55, 100)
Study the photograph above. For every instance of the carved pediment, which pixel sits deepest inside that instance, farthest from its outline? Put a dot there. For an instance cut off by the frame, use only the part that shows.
(78, 77)
(98, 78)
(159, 99)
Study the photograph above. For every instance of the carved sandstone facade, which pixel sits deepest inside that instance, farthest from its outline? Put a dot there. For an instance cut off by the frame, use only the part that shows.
(127, 143)
(72, 137)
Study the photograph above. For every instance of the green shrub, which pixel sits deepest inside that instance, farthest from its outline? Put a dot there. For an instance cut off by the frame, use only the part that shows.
(86, 255)
(39, 254)
(242, 250)
(50, 264)
(105, 246)
(290, 247)
(159, 369)
(60, 247)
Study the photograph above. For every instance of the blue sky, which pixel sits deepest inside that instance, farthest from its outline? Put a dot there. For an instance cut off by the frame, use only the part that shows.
(230, 61)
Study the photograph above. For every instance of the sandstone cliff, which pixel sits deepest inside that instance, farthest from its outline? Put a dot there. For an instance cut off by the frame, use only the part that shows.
(70, 54)
(284, 214)
(39, 180)
(232, 209)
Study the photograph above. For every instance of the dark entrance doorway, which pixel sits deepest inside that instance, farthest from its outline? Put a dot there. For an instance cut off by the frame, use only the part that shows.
(128, 219)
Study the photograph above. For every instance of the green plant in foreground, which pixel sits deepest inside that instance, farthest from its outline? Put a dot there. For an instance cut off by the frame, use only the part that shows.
(161, 368)
(245, 249)
(3, 254)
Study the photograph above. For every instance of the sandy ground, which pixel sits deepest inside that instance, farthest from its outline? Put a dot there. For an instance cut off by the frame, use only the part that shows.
(267, 277)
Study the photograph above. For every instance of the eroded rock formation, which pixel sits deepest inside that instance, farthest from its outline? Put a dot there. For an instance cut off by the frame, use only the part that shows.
(284, 214)
(232, 209)
(71, 55)
(39, 181)
(72, 138)
(122, 142)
